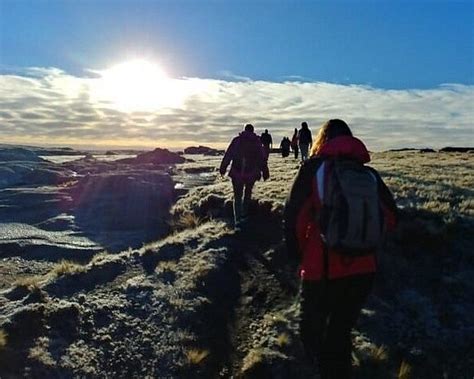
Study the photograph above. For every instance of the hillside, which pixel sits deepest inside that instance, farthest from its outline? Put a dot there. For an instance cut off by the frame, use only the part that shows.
(202, 300)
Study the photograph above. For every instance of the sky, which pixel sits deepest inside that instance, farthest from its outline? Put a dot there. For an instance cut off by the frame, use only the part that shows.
(401, 73)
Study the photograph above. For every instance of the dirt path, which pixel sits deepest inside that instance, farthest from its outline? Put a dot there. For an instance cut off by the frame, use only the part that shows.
(264, 338)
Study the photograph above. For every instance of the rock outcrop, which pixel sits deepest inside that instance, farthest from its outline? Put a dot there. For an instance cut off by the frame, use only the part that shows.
(112, 204)
(157, 156)
(123, 200)
(204, 150)
(19, 154)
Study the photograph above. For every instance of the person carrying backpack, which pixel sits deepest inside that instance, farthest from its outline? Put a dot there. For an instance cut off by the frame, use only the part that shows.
(249, 164)
(305, 140)
(334, 220)
(285, 147)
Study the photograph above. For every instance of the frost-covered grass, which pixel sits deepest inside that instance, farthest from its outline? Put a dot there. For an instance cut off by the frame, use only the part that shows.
(440, 183)
(169, 308)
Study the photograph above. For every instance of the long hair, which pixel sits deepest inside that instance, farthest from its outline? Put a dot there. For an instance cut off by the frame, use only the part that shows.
(329, 130)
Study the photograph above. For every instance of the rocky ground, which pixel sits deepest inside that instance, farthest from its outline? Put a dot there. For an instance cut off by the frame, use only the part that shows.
(201, 300)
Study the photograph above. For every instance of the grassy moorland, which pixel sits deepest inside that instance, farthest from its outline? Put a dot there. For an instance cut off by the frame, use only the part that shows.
(206, 301)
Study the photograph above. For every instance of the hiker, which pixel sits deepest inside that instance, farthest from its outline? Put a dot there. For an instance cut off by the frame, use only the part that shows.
(294, 143)
(266, 139)
(305, 140)
(333, 221)
(249, 164)
(285, 147)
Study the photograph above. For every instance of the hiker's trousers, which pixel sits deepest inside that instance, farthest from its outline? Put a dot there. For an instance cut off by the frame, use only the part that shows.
(304, 148)
(329, 310)
(241, 207)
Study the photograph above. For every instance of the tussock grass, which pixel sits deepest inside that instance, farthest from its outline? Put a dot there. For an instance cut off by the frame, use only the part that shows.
(405, 371)
(31, 283)
(3, 339)
(380, 353)
(187, 220)
(254, 357)
(196, 356)
(283, 339)
(98, 258)
(65, 267)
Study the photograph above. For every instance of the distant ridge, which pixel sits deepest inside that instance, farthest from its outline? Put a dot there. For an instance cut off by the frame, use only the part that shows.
(448, 149)
(451, 149)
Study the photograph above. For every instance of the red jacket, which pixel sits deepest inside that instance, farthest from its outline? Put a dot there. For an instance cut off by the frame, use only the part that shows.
(251, 171)
(302, 231)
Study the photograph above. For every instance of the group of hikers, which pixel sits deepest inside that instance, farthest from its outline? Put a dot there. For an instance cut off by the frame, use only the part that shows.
(301, 141)
(336, 214)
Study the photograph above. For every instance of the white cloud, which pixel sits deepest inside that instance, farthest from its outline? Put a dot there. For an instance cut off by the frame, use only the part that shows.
(47, 105)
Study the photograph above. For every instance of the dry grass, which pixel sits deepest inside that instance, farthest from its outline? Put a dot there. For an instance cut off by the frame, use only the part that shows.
(196, 356)
(380, 353)
(275, 318)
(3, 339)
(187, 220)
(40, 352)
(65, 267)
(405, 371)
(98, 258)
(31, 283)
(166, 266)
(283, 340)
(254, 357)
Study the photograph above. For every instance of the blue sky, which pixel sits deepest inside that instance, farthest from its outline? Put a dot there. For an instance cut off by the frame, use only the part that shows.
(389, 44)
(401, 73)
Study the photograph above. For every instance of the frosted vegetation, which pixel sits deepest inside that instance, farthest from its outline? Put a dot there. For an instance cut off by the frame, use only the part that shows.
(205, 301)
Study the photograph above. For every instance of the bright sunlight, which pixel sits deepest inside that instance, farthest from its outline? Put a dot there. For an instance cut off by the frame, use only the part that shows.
(137, 85)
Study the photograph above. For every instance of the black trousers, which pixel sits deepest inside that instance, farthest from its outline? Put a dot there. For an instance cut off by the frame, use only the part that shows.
(329, 310)
(241, 208)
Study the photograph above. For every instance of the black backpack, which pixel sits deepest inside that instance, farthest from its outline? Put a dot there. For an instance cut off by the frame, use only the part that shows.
(351, 217)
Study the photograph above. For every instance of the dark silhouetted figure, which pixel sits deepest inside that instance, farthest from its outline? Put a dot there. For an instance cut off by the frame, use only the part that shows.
(285, 147)
(334, 247)
(266, 139)
(294, 143)
(249, 164)
(305, 140)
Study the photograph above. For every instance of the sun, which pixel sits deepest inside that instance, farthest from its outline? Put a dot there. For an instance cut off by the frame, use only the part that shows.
(137, 85)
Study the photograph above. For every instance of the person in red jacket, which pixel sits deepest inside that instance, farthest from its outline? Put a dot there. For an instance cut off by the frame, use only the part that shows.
(249, 164)
(334, 286)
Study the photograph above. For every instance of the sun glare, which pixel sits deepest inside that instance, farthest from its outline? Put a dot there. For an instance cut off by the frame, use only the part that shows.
(138, 86)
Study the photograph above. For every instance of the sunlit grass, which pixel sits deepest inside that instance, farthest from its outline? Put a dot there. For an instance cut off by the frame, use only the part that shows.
(3, 339)
(404, 371)
(196, 356)
(65, 267)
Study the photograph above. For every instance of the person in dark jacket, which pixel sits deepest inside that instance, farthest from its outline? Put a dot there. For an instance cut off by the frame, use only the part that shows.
(249, 164)
(267, 142)
(334, 286)
(294, 143)
(285, 147)
(305, 140)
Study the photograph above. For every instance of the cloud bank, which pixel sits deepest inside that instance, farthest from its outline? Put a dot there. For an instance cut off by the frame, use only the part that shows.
(49, 106)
